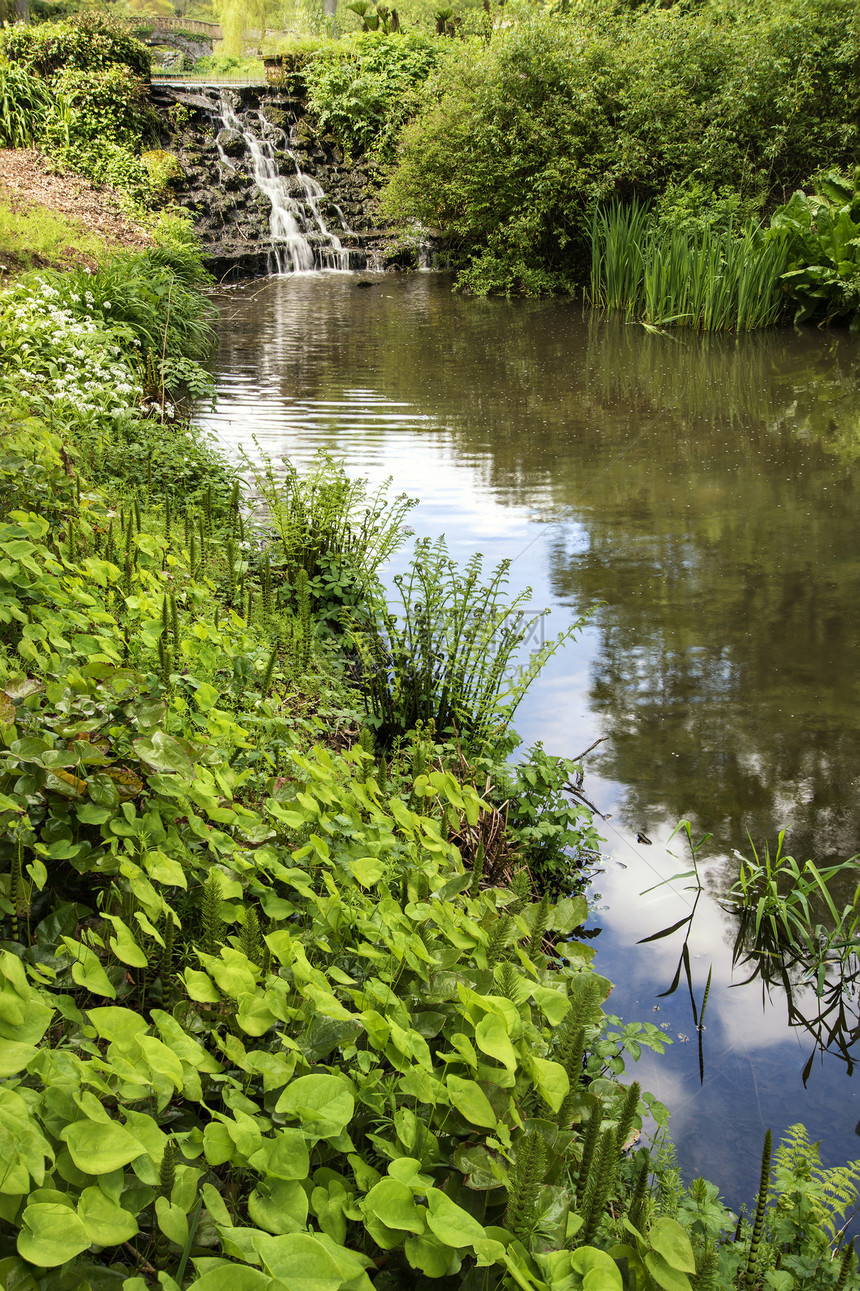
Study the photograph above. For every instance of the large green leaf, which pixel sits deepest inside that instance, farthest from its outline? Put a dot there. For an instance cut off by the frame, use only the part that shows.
(432, 1257)
(451, 1223)
(492, 1037)
(99, 1148)
(551, 1081)
(323, 1104)
(667, 1278)
(667, 1237)
(471, 1101)
(598, 1270)
(87, 970)
(283, 1157)
(300, 1261)
(14, 1057)
(117, 1024)
(105, 1221)
(164, 752)
(393, 1203)
(279, 1206)
(51, 1234)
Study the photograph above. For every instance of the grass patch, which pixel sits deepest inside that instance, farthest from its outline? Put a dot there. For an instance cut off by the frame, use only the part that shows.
(38, 238)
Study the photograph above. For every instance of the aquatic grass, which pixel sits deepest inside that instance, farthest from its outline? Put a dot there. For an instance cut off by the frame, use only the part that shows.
(618, 234)
(712, 281)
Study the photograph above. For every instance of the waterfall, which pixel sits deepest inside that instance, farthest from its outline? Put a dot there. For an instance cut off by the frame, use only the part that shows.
(300, 238)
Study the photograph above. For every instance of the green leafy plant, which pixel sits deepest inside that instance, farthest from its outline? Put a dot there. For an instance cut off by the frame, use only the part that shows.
(822, 232)
(364, 89)
(450, 657)
(25, 102)
(333, 529)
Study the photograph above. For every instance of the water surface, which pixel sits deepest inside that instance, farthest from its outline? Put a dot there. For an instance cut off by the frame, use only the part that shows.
(698, 498)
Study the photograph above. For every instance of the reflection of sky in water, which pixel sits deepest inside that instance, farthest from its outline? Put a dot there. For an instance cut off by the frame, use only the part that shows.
(307, 369)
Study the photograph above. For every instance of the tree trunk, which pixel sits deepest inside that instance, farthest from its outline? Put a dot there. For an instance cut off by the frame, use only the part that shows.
(22, 11)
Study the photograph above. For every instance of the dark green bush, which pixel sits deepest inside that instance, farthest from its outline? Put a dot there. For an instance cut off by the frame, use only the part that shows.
(364, 89)
(87, 41)
(517, 140)
(104, 103)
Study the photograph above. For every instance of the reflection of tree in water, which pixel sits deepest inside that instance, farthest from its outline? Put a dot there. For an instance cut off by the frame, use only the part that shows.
(714, 521)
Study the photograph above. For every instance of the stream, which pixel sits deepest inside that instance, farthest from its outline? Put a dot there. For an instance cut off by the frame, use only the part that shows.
(697, 498)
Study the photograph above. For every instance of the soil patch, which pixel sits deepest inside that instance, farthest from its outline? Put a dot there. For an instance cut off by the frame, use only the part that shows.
(27, 185)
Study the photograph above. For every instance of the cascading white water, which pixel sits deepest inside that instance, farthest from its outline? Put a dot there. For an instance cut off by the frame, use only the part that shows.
(301, 240)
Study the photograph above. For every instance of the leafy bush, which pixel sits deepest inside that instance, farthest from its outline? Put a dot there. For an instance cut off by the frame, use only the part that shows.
(518, 140)
(25, 101)
(88, 42)
(97, 124)
(363, 89)
(823, 238)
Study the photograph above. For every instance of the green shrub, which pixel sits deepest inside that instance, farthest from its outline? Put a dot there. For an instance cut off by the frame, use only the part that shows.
(364, 88)
(89, 42)
(519, 139)
(823, 236)
(25, 102)
(104, 104)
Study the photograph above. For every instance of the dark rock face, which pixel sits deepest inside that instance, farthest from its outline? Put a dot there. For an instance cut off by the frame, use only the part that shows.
(231, 213)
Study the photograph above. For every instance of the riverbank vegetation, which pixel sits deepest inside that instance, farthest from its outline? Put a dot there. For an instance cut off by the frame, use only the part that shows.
(290, 989)
(708, 113)
(286, 999)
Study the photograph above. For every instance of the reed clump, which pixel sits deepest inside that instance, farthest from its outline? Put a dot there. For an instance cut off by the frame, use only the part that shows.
(715, 280)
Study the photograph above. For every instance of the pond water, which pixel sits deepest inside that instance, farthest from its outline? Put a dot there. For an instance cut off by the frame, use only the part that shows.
(699, 497)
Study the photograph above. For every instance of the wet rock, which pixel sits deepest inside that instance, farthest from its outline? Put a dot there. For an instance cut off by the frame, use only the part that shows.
(232, 216)
(232, 144)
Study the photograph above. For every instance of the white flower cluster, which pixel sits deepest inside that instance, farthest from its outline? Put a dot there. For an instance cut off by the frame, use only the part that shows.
(59, 353)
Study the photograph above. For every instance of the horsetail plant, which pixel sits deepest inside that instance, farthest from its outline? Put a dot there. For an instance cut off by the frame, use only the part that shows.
(525, 1176)
(212, 924)
(627, 1114)
(846, 1266)
(589, 1147)
(270, 670)
(749, 1276)
(601, 1177)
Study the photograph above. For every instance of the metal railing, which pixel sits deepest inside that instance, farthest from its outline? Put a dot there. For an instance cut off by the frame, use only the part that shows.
(188, 81)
